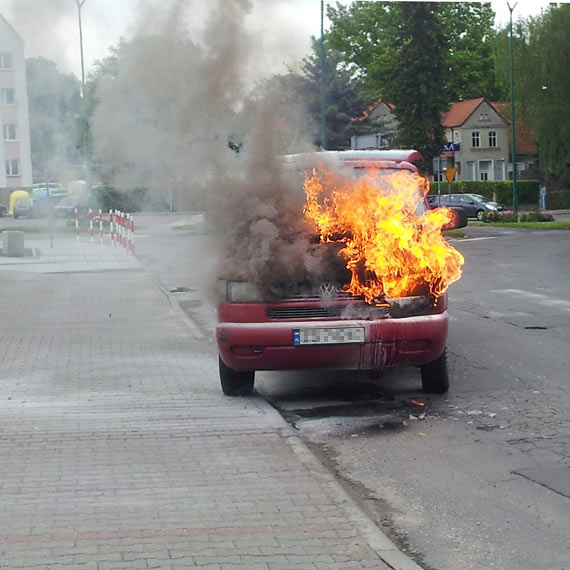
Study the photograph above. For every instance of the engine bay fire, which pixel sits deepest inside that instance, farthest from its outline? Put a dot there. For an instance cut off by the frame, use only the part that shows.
(352, 276)
(392, 244)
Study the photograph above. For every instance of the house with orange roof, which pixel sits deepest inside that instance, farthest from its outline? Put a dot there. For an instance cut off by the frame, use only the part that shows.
(382, 112)
(478, 139)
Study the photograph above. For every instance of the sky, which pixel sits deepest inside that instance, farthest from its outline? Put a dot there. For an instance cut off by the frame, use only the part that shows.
(281, 27)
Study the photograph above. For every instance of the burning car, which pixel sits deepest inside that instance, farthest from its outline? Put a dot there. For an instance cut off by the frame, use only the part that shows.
(379, 297)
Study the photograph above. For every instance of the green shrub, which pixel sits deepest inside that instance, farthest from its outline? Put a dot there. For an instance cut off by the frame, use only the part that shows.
(536, 217)
(558, 199)
(507, 217)
(109, 198)
(498, 217)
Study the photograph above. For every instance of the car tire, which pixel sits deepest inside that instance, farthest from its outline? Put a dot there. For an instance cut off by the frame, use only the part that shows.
(235, 382)
(480, 215)
(435, 377)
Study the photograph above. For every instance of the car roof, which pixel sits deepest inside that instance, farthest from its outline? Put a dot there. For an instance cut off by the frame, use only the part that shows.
(395, 158)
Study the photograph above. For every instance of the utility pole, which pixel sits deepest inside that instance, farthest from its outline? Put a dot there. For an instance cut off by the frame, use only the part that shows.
(323, 121)
(513, 144)
(84, 132)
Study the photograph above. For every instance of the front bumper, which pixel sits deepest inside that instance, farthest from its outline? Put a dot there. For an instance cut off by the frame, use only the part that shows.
(409, 341)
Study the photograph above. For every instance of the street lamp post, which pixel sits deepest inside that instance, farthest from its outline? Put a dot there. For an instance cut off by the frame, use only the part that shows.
(323, 120)
(84, 133)
(513, 144)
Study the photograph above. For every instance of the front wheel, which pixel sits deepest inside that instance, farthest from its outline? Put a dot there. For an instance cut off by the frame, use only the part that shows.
(435, 378)
(235, 382)
(480, 215)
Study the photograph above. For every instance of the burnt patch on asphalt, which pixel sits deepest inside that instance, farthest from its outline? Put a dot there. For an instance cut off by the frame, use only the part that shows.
(359, 418)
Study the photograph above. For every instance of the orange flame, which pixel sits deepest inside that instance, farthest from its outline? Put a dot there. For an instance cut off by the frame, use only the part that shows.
(392, 247)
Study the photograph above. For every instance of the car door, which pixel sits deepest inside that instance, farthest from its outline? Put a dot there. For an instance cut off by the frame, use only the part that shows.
(466, 202)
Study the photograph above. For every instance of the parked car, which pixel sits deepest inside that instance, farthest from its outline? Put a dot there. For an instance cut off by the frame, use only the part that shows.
(320, 325)
(67, 207)
(474, 205)
(23, 208)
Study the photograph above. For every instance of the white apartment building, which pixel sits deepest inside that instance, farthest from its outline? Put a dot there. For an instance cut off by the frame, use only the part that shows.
(15, 153)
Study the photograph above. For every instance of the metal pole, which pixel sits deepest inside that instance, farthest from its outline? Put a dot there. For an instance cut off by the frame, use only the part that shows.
(323, 120)
(84, 133)
(50, 213)
(513, 144)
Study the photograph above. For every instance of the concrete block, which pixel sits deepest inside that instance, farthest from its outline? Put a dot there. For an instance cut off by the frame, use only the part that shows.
(12, 244)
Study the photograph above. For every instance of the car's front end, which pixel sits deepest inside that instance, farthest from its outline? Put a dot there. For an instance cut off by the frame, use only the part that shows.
(333, 331)
(368, 291)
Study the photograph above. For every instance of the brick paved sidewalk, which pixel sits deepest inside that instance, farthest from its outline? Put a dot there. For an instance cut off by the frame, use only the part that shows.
(118, 451)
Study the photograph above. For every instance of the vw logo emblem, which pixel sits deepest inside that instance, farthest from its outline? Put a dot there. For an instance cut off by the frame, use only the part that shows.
(327, 290)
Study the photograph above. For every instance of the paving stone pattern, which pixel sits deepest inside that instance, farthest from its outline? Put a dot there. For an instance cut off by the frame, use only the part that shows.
(118, 451)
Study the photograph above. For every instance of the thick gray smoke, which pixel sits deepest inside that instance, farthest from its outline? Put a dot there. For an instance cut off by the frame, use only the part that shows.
(45, 23)
(182, 109)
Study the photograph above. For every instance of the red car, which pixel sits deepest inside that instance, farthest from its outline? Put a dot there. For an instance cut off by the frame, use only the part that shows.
(328, 327)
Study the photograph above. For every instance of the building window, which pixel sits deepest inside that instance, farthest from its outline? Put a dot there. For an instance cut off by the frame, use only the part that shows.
(5, 60)
(470, 170)
(492, 139)
(499, 170)
(456, 136)
(483, 116)
(458, 166)
(484, 169)
(475, 139)
(9, 132)
(13, 167)
(8, 96)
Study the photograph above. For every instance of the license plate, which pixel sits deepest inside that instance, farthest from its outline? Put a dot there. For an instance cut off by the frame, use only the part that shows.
(335, 335)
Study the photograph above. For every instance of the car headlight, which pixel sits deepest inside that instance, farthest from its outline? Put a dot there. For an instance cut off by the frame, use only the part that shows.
(239, 292)
(490, 207)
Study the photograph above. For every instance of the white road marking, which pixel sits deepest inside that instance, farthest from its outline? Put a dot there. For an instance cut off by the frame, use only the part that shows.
(477, 239)
(536, 297)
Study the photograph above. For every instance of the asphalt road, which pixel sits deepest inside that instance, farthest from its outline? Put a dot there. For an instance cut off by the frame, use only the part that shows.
(479, 478)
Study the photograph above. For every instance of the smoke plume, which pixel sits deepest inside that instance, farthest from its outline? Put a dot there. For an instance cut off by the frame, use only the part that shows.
(182, 111)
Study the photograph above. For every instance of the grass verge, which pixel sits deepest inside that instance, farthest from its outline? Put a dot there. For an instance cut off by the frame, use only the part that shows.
(560, 225)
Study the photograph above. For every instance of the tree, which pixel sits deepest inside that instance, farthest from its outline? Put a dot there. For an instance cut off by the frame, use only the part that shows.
(419, 65)
(363, 32)
(543, 84)
(343, 100)
(55, 111)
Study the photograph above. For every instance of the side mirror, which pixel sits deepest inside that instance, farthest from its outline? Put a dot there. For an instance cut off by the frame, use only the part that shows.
(459, 219)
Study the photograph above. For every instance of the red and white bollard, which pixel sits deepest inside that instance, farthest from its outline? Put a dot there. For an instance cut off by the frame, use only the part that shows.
(111, 227)
(91, 225)
(101, 226)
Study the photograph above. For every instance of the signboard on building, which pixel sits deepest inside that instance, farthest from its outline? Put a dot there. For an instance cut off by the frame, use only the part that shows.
(452, 147)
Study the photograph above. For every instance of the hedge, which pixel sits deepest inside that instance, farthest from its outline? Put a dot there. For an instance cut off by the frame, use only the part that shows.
(558, 200)
(527, 190)
(109, 198)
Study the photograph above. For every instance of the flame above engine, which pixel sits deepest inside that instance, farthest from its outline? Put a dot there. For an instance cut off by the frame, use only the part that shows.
(392, 247)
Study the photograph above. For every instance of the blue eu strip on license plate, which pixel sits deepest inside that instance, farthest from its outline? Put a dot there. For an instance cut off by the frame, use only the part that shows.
(330, 335)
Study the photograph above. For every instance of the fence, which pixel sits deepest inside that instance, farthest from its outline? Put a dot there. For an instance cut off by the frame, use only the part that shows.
(117, 227)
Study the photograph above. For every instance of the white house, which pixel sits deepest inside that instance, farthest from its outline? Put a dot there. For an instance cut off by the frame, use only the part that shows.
(15, 153)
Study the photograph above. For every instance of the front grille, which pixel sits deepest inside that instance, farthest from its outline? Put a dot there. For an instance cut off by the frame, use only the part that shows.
(304, 312)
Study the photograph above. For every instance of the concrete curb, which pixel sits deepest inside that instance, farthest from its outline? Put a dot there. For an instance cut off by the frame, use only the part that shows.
(376, 539)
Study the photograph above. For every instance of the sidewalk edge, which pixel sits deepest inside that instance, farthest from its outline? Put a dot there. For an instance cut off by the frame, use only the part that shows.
(376, 539)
